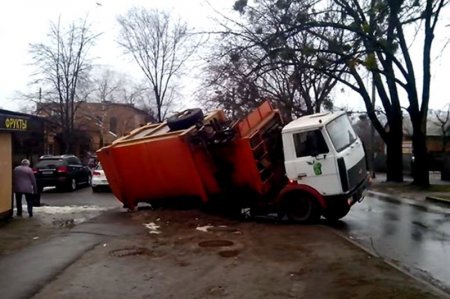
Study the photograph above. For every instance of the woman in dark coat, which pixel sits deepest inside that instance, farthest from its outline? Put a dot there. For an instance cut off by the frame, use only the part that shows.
(24, 182)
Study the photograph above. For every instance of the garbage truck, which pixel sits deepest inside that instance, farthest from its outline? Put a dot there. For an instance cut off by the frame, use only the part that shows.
(311, 167)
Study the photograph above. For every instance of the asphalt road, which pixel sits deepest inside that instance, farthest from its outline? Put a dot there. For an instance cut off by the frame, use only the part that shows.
(80, 197)
(83, 255)
(415, 238)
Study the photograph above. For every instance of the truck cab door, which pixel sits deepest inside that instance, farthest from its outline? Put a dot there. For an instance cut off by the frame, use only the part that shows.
(350, 154)
(309, 161)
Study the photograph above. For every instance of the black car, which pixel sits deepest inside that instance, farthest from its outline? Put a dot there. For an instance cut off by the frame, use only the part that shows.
(65, 172)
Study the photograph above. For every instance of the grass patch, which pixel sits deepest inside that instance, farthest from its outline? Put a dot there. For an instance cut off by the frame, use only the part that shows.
(444, 197)
(439, 188)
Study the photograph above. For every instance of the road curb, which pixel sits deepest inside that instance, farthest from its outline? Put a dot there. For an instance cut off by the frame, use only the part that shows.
(426, 206)
(438, 199)
(392, 198)
(441, 291)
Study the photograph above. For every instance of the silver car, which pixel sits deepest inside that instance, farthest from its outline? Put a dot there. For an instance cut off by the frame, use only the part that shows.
(99, 180)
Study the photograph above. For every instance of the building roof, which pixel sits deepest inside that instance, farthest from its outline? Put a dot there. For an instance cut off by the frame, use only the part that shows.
(116, 104)
(9, 112)
(433, 126)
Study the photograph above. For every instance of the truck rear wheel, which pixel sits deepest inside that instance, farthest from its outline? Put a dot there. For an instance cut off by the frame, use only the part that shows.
(185, 119)
(301, 207)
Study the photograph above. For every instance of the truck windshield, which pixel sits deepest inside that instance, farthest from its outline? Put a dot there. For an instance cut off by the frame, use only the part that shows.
(341, 132)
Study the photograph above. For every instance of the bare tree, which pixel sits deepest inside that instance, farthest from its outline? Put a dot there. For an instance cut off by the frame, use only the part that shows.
(160, 46)
(108, 85)
(443, 121)
(105, 86)
(374, 37)
(377, 41)
(62, 66)
(260, 58)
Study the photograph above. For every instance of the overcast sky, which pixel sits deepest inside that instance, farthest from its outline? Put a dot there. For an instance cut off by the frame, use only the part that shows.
(23, 22)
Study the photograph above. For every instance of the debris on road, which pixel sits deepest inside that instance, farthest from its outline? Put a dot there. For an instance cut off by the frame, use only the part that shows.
(152, 227)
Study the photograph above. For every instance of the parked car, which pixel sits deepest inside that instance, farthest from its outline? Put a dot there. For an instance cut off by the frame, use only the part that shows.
(65, 172)
(99, 180)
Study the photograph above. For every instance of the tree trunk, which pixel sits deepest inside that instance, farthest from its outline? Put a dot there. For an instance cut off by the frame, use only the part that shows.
(420, 165)
(394, 155)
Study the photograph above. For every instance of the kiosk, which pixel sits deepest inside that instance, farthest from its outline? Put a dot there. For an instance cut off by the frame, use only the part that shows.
(10, 122)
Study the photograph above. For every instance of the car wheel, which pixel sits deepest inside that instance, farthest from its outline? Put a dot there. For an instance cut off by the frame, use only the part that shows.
(301, 207)
(95, 189)
(73, 185)
(89, 180)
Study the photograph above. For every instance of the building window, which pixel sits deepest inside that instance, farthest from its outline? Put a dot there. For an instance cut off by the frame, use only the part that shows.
(113, 125)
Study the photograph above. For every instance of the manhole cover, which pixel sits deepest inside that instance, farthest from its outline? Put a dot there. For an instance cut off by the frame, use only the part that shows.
(130, 252)
(215, 243)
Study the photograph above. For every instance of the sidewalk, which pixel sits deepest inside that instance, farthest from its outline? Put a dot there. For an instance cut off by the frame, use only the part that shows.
(437, 197)
(31, 267)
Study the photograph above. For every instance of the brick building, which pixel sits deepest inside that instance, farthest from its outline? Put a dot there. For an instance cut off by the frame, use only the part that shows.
(95, 125)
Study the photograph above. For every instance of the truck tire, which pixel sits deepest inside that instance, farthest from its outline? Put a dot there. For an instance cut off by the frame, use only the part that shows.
(336, 212)
(301, 207)
(185, 119)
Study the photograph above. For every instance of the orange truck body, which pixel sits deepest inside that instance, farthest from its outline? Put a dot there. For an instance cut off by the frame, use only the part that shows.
(154, 163)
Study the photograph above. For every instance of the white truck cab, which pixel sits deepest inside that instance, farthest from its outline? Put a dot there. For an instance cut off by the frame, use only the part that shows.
(322, 152)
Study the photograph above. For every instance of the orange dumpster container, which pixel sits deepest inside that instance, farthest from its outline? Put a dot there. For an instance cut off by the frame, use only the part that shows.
(153, 162)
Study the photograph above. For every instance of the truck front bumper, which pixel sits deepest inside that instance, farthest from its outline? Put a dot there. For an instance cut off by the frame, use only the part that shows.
(353, 196)
(358, 194)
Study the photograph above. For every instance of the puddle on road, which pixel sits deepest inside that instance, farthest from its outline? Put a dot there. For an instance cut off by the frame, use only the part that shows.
(222, 228)
(229, 252)
(215, 243)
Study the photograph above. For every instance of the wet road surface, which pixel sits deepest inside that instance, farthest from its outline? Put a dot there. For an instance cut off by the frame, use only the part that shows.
(415, 238)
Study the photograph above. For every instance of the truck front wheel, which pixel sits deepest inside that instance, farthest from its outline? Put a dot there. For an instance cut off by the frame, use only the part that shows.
(336, 211)
(301, 207)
